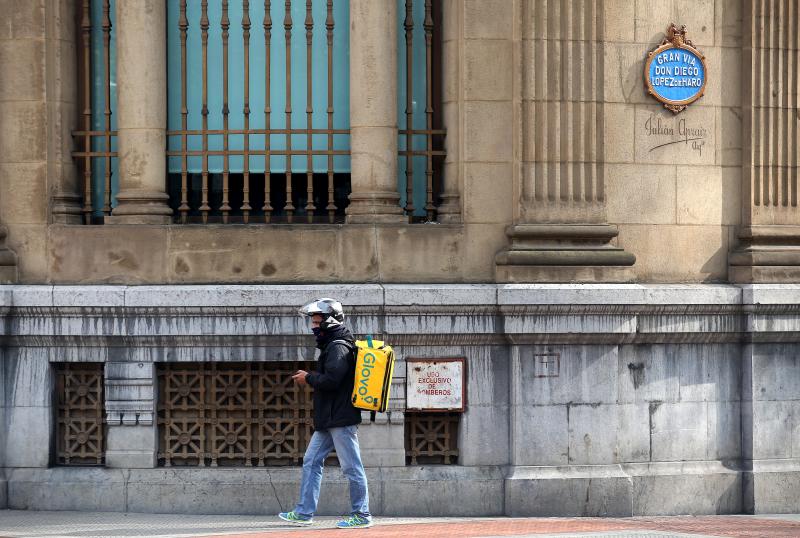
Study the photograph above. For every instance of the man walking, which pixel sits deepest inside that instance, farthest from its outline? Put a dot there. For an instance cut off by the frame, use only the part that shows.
(335, 419)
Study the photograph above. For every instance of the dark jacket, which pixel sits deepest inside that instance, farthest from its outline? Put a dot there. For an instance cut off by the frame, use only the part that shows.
(333, 382)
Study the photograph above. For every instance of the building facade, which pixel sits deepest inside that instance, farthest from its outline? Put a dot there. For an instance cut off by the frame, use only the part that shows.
(487, 180)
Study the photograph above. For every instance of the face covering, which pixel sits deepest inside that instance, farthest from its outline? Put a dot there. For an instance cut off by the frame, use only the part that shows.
(318, 334)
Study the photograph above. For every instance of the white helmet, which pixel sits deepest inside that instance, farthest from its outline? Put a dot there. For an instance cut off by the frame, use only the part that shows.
(330, 310)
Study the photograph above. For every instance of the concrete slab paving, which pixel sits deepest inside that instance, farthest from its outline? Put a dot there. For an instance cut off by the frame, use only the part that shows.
(51, 524)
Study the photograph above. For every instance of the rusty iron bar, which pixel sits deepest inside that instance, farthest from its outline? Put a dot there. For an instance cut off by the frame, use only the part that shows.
(218, 153)
(309, 24)
(428, 26)
(225, 24)
(107, 66)
(329, 26)
(258, 131)
(98, 153)
(86, 44)
(183, 24)
(204, 24)
(408, 24)
(246, 170)
(267, 109)
(287, 26)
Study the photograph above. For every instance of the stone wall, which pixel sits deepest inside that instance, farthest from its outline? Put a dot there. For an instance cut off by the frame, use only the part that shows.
(677, 205)
(516, 91)
(581, 399)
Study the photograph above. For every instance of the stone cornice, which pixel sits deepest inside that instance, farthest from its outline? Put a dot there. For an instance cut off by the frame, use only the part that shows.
(424, 315)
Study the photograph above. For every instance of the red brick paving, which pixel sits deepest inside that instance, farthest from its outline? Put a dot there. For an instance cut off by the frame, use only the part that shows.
(727, 526)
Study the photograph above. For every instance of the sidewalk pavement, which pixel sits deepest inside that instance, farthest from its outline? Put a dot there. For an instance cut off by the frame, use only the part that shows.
(30, 524)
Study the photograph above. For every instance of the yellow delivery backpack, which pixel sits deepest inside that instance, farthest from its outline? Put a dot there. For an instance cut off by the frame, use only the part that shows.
(374, 368)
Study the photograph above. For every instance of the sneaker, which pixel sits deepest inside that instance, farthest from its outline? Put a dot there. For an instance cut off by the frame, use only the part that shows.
(295, 519)
(354, 522)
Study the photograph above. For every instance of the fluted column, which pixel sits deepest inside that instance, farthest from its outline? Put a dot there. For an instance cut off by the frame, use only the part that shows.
(561, 233)
(373, 112)
(769, 249)
(142, 106)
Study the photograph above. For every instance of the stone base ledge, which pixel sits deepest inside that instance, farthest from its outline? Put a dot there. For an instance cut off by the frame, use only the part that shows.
(398, 491)
(624, 490)
(771, 492)
(640, 489)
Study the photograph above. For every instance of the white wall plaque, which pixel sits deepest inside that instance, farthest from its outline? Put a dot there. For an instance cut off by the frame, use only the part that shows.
(435, 384)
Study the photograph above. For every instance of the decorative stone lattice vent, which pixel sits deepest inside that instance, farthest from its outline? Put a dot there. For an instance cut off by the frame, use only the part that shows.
(431, 438)
(80, 424)
(233, 414)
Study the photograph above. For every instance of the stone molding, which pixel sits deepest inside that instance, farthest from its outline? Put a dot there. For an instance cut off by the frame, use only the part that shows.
(157, 323)
(388, 295)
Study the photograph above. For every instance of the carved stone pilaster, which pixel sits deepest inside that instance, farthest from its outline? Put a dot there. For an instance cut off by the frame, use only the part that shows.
(561, 233)
(130, 393)
(769, 249)
(130, 413)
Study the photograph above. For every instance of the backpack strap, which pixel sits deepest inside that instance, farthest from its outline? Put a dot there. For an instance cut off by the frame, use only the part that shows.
(350, 345)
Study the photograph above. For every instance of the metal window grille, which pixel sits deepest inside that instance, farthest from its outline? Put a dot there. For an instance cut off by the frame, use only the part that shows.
(421, 140)
(96, 139)
(232, 414)
(238, 153)
(238, 148)
(80, 408)
(238, 145)
(431, 438)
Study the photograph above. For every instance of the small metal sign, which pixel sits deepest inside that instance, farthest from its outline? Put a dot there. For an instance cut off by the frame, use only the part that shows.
(547, 364)
(435, 384)
(675, 72)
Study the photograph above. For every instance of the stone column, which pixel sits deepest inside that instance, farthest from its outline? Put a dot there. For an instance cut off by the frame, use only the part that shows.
(142, 98)
(769, 249)
(450, 209)
(130, 410)
(373, 113)
(61, 83)
(561, 232)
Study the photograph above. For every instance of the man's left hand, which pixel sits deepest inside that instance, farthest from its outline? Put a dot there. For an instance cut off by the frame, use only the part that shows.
(300, 377)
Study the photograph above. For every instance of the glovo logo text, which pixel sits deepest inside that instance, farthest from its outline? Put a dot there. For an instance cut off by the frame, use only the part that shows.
(366, 372)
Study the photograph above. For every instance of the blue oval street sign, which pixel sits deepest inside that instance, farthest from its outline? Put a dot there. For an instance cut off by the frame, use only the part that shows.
(675, 72)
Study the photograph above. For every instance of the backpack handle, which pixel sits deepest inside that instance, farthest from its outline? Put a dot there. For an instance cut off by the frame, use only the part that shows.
(369, 340)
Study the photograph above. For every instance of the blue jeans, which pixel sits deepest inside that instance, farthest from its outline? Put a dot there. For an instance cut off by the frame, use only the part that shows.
(345, 440)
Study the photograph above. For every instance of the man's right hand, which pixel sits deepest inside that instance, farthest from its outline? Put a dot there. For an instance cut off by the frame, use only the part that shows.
(300, 377)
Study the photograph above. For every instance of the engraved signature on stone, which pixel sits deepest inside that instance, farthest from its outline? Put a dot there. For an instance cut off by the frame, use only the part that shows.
(696, 136)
